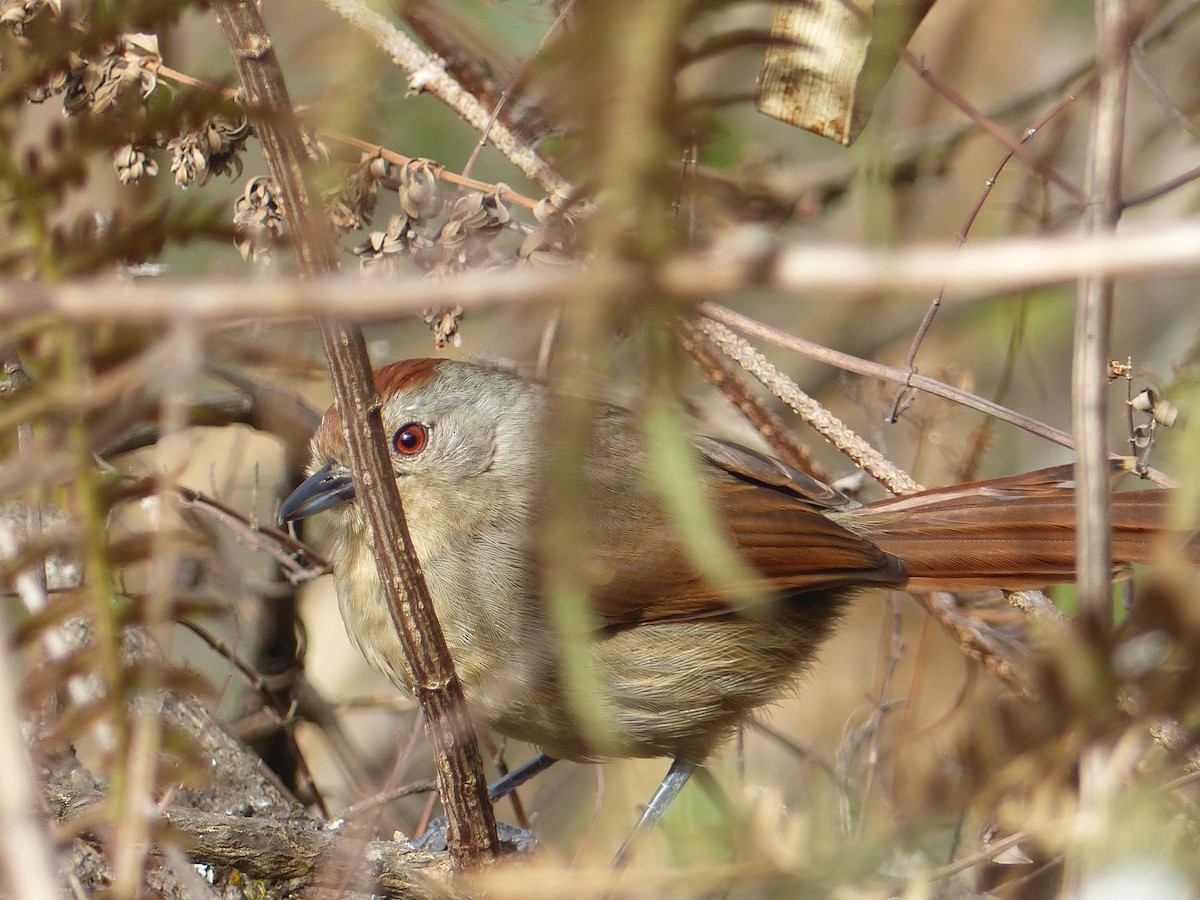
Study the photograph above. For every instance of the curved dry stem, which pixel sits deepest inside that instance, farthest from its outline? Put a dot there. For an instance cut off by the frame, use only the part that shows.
(426, 74)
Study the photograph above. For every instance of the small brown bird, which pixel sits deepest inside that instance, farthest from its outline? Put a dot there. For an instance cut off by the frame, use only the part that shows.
(675, 662)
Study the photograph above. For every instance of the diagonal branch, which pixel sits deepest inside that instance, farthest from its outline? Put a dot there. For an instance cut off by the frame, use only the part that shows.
(471, 826)
(425, 73)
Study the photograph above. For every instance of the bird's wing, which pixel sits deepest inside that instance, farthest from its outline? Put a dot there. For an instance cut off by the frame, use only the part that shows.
(773, 515)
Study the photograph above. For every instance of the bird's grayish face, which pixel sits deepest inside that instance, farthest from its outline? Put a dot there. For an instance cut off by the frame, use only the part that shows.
(444, 423)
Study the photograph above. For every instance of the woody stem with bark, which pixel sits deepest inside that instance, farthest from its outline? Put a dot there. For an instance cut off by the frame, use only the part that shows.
(470, 824)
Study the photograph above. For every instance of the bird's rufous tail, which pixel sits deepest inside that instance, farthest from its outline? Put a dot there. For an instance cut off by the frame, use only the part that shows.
(1015, 533)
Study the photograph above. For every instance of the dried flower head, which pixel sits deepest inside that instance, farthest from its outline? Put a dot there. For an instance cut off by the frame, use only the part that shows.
(214, 149)
(554, 242)
(420, 191)
(16, 14)
(132, 163)
(381, 252)
(353, 203)
(464, 237)
(67, 81)
(97, 85)
(257, 220)
(444, 323)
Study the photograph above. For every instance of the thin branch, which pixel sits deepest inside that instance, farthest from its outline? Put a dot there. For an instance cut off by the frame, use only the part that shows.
(1172, 184)
(1093, 316)
(298, 561)
(1013, 145)
(961, 238)
(1178, 116)
(507, 194)
(520, 75)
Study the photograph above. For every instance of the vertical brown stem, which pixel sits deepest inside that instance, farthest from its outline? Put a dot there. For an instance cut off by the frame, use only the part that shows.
(470, 823)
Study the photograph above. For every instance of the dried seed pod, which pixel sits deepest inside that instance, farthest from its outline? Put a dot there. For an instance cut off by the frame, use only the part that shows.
(186, 158)
(1165, 414)
(214, 149)
(343, 216)
(353, 203)
(420, 191)
(1160, 410)
(444, 323)
(381, 252)
(554, 242)
(1144, 400)
(97, 85)
(452, 236)
(77, 90)
(559, 207)
(257, 219)
(133, 163)
(314, 147)
(376, 166)
(482, 213)
(1142, 436)
(16, 14)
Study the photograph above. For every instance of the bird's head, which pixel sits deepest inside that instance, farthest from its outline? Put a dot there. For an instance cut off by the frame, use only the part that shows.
(445, 421)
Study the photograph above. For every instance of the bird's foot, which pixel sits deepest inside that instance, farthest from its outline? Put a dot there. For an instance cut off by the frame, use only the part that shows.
(512, 838)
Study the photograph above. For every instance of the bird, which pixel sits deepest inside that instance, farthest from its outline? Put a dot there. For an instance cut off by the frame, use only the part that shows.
(676, 662)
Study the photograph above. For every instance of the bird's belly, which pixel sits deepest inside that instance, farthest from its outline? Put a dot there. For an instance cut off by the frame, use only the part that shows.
(674, 689)
(500, 663)
(668, 688)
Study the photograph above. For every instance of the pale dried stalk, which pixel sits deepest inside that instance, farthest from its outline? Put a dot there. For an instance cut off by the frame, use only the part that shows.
(81, 690)
(425, 73)
(750, 256)
(24, 845)
(133, 827)
(723, 376)
(820, 419)
(826, 273)
(1093, 317)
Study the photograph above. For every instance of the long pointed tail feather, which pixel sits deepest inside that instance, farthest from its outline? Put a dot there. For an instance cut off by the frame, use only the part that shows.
(1015, 533)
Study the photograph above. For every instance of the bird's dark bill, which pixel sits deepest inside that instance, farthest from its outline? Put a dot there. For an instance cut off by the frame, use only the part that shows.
(324, 489)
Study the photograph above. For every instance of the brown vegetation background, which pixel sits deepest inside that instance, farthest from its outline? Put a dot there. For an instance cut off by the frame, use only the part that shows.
(908, 759)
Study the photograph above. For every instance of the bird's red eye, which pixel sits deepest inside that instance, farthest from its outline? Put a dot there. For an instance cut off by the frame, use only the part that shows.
(410, 439)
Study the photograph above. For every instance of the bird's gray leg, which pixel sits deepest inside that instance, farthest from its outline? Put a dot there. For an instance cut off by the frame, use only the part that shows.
(504, 786)
(677, 776)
